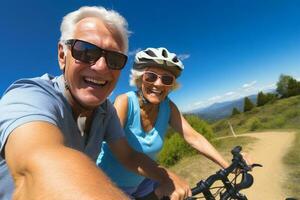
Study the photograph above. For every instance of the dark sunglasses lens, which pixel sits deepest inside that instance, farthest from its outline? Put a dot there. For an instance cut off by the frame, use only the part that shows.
(167, 80)
(115, 60)
(150, 77)
(85, 52)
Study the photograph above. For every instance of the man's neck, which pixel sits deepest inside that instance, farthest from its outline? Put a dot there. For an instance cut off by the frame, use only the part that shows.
(78, 109)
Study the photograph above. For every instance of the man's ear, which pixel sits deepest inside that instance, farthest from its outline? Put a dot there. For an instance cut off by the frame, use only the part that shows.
(61, 57)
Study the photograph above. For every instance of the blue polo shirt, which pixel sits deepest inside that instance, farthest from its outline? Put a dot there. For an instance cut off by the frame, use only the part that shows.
(43, 99)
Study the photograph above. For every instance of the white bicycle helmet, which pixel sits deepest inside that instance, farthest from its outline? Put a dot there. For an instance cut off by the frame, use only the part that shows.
(158, 57)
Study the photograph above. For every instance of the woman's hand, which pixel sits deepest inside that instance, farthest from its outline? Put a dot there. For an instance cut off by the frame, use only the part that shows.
(247, 158)
(174, 187)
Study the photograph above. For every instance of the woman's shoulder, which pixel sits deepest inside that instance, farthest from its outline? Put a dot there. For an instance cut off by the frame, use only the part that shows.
(125, 97)
(122, 97)
(131, 94)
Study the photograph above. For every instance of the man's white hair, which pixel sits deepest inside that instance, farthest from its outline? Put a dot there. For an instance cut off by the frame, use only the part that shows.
(112, 19)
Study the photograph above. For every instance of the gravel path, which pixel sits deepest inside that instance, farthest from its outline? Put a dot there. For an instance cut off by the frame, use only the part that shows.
(269, 151)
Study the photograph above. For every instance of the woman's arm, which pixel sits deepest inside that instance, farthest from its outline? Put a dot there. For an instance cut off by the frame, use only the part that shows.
(170, 184)
(193, 138)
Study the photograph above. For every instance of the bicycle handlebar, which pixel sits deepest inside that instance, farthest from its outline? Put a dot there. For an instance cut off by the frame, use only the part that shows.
(231, 190)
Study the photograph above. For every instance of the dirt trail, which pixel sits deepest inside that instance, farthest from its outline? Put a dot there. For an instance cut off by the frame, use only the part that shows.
(269, 151)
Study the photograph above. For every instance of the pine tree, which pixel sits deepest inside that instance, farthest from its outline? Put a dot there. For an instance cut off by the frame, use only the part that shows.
(283, 85)
(261, 99)
(235, 111)
(271, 97)
(293, 88)
(248, 105)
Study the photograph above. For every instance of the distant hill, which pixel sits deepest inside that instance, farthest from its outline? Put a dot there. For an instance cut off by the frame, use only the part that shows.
(222, 110)
(282, 113)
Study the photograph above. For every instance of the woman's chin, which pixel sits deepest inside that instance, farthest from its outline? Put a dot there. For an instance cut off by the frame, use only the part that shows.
(154, 100)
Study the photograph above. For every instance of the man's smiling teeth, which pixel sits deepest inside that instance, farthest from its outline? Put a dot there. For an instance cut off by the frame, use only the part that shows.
(94, 81)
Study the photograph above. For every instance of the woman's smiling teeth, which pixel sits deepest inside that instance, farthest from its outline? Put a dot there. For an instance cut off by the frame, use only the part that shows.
(155, 91)
(93, 81)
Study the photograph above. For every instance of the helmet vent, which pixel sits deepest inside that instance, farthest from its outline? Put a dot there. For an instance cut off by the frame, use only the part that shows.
(175, 59)
(150, 53)
(164, 53)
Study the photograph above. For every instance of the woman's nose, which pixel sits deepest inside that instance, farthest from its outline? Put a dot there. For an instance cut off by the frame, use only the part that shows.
(158, 81)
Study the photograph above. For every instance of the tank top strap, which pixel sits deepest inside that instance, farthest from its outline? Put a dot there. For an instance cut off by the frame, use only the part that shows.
(133, 110)
(163, 117)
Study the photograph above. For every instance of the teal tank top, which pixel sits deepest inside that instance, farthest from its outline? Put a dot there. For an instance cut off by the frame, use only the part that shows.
(149, 143)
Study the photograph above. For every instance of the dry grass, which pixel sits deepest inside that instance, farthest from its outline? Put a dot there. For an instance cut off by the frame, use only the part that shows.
(292, 162)
(197, 167)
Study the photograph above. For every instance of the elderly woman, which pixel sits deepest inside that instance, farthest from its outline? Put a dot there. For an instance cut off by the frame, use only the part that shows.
(145, 115)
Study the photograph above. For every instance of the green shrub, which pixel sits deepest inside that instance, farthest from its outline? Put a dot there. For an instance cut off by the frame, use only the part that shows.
(264, 119)
(220, 126)
(242, 121)
(291, 114)
(200, 126)
(256, 124)
(254, 110)
(175, 146)
(174, 149)
(276, 122)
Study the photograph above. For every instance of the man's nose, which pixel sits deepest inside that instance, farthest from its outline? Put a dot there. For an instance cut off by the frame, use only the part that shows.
(100, 65)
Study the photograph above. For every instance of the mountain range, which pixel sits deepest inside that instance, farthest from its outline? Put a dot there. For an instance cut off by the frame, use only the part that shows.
(222, 110)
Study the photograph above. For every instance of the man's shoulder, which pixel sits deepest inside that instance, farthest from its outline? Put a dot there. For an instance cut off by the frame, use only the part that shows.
(45, 84)
(45, 80)
(106, 107)
(39, 92)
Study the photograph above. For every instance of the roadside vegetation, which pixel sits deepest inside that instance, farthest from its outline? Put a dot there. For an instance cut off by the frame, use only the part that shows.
(279, 111)
(282, 114)
(197, 167)
(279, 114)
(292, 161)
(175, 147)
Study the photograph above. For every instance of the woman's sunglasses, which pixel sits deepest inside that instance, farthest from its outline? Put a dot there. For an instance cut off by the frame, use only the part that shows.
(151, 77)
(90, 53)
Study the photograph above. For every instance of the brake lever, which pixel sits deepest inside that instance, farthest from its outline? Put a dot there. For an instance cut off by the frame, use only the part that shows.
(256, 165)
(245, 167)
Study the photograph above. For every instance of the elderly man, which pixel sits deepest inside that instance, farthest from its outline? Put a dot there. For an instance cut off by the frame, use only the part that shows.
(51, 128)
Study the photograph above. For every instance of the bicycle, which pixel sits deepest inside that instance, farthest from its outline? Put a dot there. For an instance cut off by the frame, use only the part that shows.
(230, 189)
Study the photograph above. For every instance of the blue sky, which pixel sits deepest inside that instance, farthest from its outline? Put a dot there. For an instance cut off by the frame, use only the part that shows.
(230, 48)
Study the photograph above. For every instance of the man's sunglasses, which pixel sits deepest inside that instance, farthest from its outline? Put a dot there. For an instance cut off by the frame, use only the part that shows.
(151, 77)
(90, 53)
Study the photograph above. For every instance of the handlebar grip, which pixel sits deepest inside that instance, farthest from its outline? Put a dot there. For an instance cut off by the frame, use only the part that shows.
(236, 150)
(246, 182)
